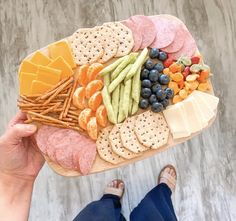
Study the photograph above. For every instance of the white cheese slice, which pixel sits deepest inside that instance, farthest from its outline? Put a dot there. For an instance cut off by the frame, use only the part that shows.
(211, 100)
(176, 120)
(193, 117)
(206, 109)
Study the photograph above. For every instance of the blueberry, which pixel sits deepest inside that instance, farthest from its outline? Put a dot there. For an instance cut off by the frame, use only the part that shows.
(164, 79)
(161, 95)
(156, 87)
(157, 107)
(165, 103)
(143, 103)
(144, 74)
(146, 83)
(149, 64)
(152, 99)
(153, 75)
(154, 52)
(169, 93)
(162, 56)
(146, 92)
(159, 67)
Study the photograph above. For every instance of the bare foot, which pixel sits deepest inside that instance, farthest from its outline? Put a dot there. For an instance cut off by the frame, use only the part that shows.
(115, 187)
(168, 176)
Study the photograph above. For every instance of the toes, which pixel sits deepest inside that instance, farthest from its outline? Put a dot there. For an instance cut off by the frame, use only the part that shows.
(121, 186)
(115, 183)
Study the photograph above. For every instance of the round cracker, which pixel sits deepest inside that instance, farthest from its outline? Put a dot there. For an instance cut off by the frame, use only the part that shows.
(129, 138)
(124, 36)
(109, 42)
(104, 148)
(116, 144)
(151, 129)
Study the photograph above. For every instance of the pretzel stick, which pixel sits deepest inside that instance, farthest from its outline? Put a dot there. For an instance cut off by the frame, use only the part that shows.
(73, 108)
(58, 91)
(67, 119)
(24, 98)
(65, 103)
(73, 113)
(70, 98)
(48, 118)
(50, 109)
(62, 95)
(73, 117)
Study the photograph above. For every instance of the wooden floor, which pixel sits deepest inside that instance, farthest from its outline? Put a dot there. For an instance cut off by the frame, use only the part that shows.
(206, 165)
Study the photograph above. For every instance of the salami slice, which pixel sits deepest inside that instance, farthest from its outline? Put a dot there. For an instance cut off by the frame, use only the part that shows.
(165, 31)
(136, 33)
(147, 29)
(178, 42)
(189, 48)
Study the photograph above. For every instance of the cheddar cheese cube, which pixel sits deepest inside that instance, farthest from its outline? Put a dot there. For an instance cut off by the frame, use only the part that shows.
(28, 67)
(39, 87)
(26, 80)
(40, 59)
(63, 49)
(48, 75)
(60, 64)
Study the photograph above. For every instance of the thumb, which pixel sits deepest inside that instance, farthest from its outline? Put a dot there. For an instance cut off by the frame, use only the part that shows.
(18, 131)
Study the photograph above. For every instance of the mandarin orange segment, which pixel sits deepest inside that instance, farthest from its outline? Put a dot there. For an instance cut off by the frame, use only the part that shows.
(92, 87)
(101, 115)
(84, 117)
(79, 99)
(92, 128)
(95, 100)
(93, 71)
(82, 75)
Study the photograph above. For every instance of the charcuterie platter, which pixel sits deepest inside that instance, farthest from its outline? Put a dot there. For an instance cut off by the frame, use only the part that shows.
(116, 93)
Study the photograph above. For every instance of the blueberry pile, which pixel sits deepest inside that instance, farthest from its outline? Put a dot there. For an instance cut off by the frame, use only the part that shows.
(153, 83)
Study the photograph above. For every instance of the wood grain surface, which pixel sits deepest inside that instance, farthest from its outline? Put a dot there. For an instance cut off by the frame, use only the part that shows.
(206, 165)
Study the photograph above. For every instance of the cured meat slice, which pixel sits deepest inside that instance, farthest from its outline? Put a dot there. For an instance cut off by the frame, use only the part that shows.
(189, 48)
(136, 33)
(178, 42)
(67, 148)
(147, 29)
(165, 31)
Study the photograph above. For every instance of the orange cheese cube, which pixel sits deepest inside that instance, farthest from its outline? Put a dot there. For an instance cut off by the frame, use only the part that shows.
(26, 80)
(60, 64)
(63, 49)
(40, 59)
(39, 87)
(48, 75)
(28, 67)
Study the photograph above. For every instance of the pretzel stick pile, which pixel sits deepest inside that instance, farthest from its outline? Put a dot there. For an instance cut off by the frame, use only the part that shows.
(54, 107)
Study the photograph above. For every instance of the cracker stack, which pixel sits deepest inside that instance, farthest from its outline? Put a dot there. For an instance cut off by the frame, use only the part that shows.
(101, 43)
(132, 138)
(54, 107)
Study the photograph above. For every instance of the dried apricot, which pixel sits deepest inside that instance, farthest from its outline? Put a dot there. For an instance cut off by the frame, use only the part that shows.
(183, 93)
(166, 71)
(93, 71)
(177, 99)
(84, 117)
(92, 128)
(177, 77)
(95, 101)
(175, 67)
(82, 75)
(204, 86)
(92, 87)
(203, 76)
(174, 86)
(101, 115)
(181, 84)
(78, 98)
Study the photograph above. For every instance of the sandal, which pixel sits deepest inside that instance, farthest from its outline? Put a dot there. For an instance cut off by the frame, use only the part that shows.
(115, 187)
(166, 177)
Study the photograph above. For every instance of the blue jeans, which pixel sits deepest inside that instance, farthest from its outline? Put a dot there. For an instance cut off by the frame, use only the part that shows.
(156, 206)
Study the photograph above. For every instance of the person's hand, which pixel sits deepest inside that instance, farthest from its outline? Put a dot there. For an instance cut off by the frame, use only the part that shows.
(19, 157)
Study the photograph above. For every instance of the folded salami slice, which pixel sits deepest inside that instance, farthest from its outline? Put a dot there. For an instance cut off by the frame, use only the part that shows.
(67, 148)
(147, 29)
(165, 31)
(136, 33)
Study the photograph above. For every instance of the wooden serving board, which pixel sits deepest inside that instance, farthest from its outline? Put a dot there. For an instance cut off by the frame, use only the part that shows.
(99, 164)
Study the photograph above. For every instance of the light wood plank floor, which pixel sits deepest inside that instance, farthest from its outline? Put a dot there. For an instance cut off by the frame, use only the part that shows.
(206, 165)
